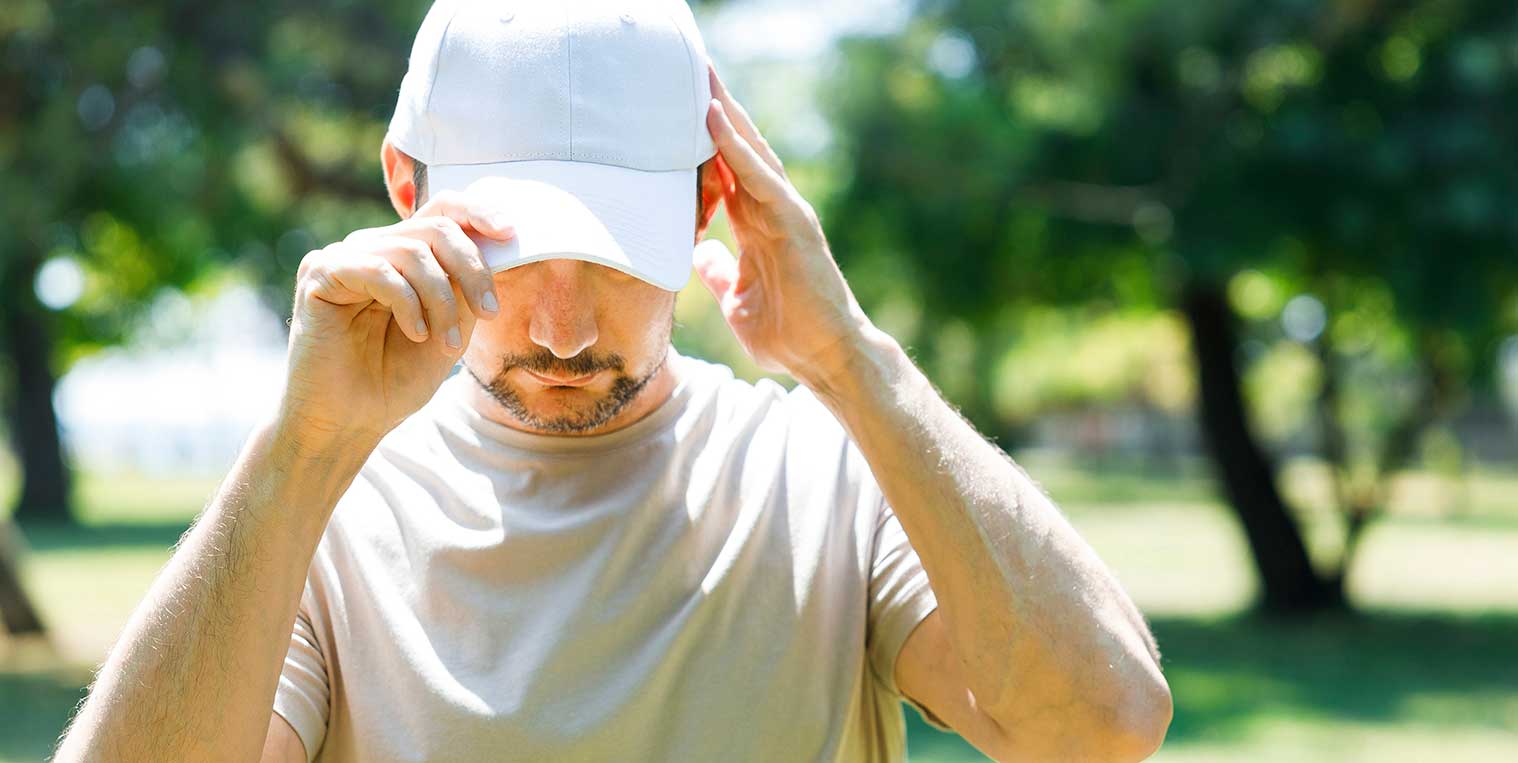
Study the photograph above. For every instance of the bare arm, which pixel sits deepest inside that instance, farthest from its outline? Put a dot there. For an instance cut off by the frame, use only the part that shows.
(193, 675)
(1035, 652)
(379, 320)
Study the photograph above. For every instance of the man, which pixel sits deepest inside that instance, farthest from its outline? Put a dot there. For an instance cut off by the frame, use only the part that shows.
(587, 546)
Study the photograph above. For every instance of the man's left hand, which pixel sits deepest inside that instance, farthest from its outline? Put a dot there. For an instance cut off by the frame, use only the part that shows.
(784, 296)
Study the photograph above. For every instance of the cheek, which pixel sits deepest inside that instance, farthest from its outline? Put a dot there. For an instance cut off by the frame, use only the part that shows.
(655, 315)
(638, 329)
(487, 343)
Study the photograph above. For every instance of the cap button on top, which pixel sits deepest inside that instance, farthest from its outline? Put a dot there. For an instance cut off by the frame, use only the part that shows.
(627, 18)
(507, 16)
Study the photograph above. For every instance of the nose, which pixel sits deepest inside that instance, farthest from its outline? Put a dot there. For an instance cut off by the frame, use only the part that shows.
(563, 316)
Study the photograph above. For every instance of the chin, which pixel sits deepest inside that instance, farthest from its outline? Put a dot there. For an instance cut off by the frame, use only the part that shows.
(562, 409)
(560, 401)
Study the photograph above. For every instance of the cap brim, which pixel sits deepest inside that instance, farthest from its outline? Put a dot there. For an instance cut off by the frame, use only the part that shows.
(640, 222)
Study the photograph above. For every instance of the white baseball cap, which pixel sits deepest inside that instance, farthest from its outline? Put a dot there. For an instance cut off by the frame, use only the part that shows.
(586, 118)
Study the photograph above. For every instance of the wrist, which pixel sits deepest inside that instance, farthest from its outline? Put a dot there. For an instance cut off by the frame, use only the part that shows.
(286, 478)
(863, 364)
(302, 443)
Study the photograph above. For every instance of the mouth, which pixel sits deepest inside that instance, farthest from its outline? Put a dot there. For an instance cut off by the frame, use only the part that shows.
(550, 381)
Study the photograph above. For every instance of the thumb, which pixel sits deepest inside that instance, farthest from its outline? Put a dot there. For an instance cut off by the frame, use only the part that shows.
(716, 266)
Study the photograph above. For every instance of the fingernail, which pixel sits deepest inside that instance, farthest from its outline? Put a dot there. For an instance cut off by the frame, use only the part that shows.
(489, 303)
(499, 222)
(453, 338)
(421, 327)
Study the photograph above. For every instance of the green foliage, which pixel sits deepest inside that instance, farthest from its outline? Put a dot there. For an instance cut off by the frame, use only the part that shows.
(154, 143)
(1085, 152)
(1064, 358)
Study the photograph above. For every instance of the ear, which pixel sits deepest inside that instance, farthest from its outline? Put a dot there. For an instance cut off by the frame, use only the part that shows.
(711, 194)
(399, 181)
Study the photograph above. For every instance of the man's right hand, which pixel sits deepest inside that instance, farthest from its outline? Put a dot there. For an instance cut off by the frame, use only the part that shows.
(381, 317)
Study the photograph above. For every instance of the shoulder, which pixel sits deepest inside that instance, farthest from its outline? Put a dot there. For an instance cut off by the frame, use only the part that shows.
(763, 404)
(781, 432)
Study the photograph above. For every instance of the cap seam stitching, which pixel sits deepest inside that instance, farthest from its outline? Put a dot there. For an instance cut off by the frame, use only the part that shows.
(690, 59)
(437, 65)
(569, 59)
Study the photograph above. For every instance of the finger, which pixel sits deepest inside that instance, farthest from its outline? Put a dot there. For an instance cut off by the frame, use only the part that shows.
(343, 277)
(752, 173)
(716, 267)
(460, 259)
(738, 201)
(744, 125)
(467, 321)
(416, 263)
(725, 174)
(470, 211)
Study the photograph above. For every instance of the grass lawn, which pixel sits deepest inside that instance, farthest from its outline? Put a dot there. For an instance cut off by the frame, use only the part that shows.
(1424, 671)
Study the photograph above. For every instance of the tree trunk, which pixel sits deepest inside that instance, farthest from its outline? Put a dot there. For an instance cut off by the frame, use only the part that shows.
(45, 478)
(16, 611)
(1289, 583)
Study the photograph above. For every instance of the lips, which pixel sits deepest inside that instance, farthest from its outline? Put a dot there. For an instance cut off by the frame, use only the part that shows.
(550, 381)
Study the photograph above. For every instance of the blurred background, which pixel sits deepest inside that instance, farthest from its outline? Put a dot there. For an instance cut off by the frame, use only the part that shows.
(1235, 280)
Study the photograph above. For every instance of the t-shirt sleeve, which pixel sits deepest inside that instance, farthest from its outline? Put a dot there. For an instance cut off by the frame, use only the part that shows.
(899, 594)
(303, 695)
(900, 598)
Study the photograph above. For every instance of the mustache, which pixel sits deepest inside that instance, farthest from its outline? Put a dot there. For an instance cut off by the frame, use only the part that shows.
(544, 362)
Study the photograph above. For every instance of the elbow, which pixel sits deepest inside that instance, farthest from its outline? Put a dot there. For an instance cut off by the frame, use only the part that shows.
(1128, 725)
(1144, 719)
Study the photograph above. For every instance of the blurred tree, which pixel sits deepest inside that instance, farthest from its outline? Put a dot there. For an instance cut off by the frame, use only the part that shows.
(1158, 152)
(17, 614)
(147, 145)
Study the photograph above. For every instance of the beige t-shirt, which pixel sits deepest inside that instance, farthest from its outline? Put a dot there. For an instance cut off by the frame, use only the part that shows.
(720, 581)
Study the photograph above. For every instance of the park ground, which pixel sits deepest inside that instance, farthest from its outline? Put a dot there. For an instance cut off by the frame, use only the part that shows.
(1425, 669)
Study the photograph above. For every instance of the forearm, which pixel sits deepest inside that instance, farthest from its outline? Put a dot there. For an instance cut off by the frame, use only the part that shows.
(193, 674)
(1050, 643)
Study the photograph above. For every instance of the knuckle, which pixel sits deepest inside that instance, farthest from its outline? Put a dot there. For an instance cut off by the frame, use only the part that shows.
(394, 276)
(403, 289)
(313, 265)
(433, 266)
(375, 270)
(475, 263)
(381, 269)
(318, 279)
(457, 243)
(306, 263)
(444, 225)
(419, 253)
